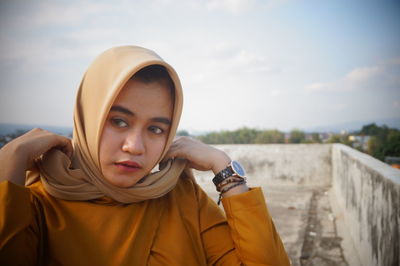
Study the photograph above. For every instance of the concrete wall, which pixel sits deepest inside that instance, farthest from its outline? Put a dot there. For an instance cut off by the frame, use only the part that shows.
(290, 164)
(368, 192)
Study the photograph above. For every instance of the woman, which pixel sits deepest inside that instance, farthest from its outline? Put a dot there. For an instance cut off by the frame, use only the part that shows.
(98, 200)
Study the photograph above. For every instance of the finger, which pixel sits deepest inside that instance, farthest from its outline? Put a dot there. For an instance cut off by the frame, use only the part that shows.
(175, 152)
(170, 155)
(63, 144)
(67, 147)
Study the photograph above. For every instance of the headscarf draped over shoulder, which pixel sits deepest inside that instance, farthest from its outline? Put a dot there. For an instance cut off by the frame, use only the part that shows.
(80, 177)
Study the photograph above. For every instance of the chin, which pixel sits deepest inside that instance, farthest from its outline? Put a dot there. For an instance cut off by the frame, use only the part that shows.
(123, 182)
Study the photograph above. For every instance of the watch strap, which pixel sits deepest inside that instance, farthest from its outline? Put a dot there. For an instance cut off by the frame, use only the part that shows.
(222, 175)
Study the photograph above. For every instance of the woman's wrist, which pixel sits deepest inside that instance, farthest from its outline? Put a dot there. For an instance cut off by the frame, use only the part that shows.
(220, 162)
(234, 183)
(236, 190)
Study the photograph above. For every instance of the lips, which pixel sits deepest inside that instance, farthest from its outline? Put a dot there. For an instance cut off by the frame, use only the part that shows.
(128, 165)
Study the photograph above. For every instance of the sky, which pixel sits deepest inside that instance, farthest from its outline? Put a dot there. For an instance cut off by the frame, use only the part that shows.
(266, 64)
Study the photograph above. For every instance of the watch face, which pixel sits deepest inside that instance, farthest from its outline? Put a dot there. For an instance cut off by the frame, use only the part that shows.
(238, 169)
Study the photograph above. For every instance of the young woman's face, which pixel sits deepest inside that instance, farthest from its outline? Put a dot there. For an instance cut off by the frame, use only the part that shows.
(135, 132)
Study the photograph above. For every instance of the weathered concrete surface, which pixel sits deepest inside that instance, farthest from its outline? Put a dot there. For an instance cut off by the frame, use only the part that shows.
(289, 207)
(322, 244)
(368, 193)
(311, 216)
(300, 164)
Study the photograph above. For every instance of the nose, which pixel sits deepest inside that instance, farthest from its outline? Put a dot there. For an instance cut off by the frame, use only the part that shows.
(133, 144)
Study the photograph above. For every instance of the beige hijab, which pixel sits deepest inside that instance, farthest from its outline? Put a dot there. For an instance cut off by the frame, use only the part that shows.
(80, 177)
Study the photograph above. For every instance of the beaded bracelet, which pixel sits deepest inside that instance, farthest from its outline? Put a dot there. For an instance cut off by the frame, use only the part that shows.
(229, 180)
(229, 188)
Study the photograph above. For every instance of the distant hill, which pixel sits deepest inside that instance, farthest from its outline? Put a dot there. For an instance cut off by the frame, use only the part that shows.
(355, 125)
(6, 128)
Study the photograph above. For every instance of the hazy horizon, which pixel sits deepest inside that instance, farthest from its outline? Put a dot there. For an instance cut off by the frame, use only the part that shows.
(7, 128)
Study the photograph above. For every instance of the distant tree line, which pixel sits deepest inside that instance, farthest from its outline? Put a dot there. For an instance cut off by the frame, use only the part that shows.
(247, 135)
(243, 136)
(381, 142)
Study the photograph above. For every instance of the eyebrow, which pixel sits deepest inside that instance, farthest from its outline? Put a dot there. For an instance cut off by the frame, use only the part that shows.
(118, 108)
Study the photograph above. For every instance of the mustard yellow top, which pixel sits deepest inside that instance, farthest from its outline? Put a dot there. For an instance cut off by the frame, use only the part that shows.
(184, 227)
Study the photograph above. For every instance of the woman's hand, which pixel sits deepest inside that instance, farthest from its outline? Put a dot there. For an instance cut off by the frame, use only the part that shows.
(203, 157)
(200, 156)
(19, 155)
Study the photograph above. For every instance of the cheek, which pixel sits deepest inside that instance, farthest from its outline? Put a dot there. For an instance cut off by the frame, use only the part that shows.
(106, 143)
(157, 148)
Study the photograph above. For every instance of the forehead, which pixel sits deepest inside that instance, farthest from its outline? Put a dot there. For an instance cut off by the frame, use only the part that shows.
(152, 97)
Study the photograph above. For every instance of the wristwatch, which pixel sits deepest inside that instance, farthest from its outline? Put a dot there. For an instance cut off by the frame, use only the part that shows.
(233, 169)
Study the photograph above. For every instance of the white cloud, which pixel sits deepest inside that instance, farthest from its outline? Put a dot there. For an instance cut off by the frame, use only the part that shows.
(362, 74)
(28, 16)
(318, 86)
(52, 13)
(381, 76)
(241, 6)
(243, 60)
(337, 107)
(275, 92)
(221, 63)
(249, 62)
(232, 6)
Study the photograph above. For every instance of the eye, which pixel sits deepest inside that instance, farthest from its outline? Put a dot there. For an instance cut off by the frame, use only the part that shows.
(156, 130)
(119, 122)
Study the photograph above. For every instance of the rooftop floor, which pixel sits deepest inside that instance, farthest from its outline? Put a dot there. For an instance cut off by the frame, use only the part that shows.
(305, 221)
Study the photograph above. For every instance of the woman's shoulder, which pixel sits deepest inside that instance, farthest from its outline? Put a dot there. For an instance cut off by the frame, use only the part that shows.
(9, 189)
(27, 199)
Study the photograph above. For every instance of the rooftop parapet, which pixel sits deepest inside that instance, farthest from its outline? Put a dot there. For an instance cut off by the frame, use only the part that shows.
(325, 191)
